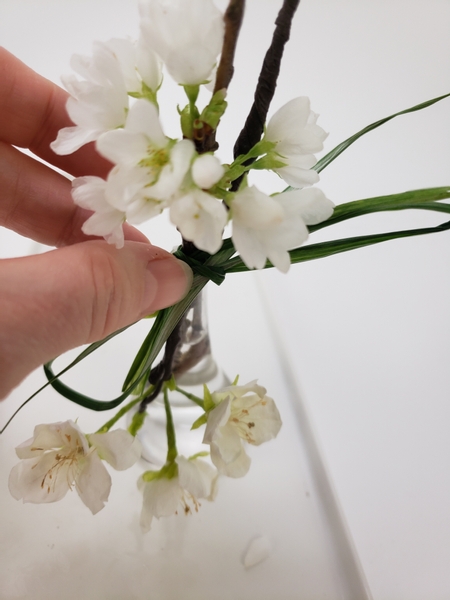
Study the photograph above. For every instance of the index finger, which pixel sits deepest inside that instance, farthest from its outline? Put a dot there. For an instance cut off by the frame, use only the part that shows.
(32, 111)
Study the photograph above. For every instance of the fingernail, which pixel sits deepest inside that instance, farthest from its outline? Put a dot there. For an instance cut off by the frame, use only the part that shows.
(168, 280)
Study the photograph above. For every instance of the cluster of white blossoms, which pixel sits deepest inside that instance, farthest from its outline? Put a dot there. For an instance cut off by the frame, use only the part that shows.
(234, 416)
(60, 457)
(114, 104)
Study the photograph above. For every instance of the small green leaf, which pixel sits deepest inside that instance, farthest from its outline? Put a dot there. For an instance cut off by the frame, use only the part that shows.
(203, 454)
(269, 162)
(207, 399)
(214, 111)
(200, 421)
(171, 384)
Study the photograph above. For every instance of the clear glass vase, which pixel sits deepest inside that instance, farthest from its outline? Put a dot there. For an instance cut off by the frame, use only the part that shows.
(193, 366)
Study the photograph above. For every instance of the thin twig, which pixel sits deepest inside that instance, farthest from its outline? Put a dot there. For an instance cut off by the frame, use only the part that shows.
(267, 82)
(233, 20)
(163, 370)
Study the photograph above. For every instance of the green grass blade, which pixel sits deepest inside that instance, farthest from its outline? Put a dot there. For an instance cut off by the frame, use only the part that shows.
(328, 158)
(81, 399)
(324, 249)
(168, 318)
(426, 199)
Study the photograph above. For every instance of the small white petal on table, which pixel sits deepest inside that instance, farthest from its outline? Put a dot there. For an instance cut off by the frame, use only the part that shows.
(258, 550)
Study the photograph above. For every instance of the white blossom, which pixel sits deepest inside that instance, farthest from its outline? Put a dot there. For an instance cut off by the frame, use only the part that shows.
(188, 36)
(179, 486)
(148, 174)
(97, 104)
(200, 218)
(60, 457)
(297, 137)
(267, 227)
(243, 413)
(106, 221)
(138, 63)
(149, 166)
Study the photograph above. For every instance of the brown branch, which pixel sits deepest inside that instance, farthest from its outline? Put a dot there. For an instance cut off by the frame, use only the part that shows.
(267, 82)
(233, 20)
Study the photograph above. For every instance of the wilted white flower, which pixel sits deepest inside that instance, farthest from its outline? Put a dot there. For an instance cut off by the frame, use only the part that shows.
(188, 36)
(97, 104)
(297, 137)
(267, 227)
(179, 485)
(242, 413)
(59, 457)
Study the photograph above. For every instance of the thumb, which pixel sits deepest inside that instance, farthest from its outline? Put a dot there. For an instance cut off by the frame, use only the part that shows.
(79, 294)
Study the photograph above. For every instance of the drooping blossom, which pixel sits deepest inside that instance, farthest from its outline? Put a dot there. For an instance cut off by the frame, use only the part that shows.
(188, 36)
(267, 227)
(59, 457)
(297, 137)
(243, 413)
(178, 486)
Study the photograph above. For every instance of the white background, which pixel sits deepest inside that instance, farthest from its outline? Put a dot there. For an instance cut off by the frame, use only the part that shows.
(367, 333)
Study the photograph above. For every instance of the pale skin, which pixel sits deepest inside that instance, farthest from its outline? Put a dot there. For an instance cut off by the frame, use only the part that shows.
(84, 289)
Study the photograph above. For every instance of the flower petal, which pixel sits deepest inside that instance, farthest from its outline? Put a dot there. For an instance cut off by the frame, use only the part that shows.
(217, 418)
(122, 146)
(118, 447)
(41, 480)
(93, 483)
(187, 36)
(161, 499)
(259, 415)
(143, 118)
(201, 219)
(238, 467)
(312, 203)
(207, 171)
(196, 476)
(70, 139)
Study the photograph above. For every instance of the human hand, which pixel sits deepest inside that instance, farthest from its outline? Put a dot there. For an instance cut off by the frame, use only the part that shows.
(86, 289)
